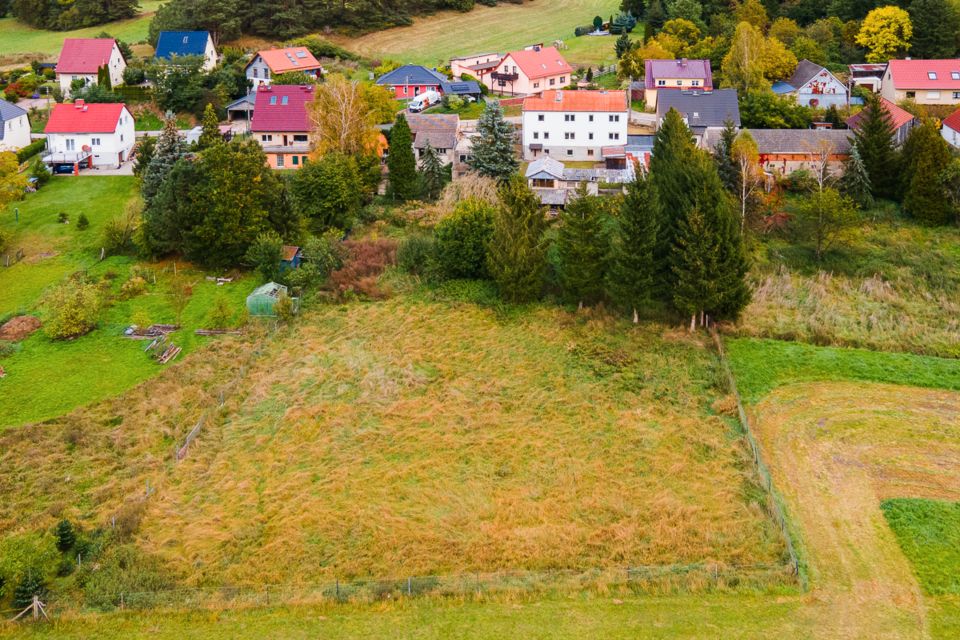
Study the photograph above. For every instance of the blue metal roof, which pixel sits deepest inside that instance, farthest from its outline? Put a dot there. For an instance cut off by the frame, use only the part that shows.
(781, 87)
(460, 88)
(181, 43)
(412, 74)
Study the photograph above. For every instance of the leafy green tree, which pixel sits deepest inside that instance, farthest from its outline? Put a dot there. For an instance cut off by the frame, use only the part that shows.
(210, 129)
(72, 309)
(328, 191)
(434, 176)
(12, 182)
(582, 249)
(222, 18)
(493, 152)
(630, 279)
(516, 257)
(873, 138)
(462, 239)
(179, 87)
(935, 26)
(264, 255)
(401, 163)
(66, 535)
(825, 218)
(221, 315)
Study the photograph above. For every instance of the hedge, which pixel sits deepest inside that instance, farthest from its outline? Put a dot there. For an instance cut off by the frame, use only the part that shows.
(31, 150)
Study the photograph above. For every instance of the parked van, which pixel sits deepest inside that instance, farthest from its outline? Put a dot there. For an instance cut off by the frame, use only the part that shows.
(424, 100)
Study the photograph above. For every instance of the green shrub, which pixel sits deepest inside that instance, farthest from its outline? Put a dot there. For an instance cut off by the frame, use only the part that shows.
(31, 150)
(40, 172)
(72, 309)
(125, 570)
(83, 222)
(221, 315)
(415, 254)
(5, 238)
(63, 217)
(462, 239)
(30, 585)
(66, 536)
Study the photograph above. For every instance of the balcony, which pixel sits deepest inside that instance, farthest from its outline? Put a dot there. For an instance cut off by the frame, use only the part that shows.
(504, 77)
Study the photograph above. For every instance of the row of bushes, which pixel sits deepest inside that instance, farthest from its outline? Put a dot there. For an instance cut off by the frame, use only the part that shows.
(31, 150)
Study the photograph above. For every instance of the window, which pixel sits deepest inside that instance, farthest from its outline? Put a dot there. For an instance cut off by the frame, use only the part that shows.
(71, 144)
(514, 68)
(614, 136)
(590, 117)
(679, 83)
(661, 83)
(568, 136)
(563, 78)
(295, 160)
(932, 75)
(266, 137)
(614, 118)
(300, 137)
(95, 142)
(695, 83)
(911, 95)
(536, 135)
(404, 89)
(955, 75)
(279, 161)
(546, 135)
(569, 117)
(284, 100)
(590, 151)
(569, 152)
(266, 73)
(590, 136)
(696, 114)
(536, 85)
(256, 72)
(540, 117)
(956, 95)
(552, 81)
(933, 95)
(273, 100)
(121, 137)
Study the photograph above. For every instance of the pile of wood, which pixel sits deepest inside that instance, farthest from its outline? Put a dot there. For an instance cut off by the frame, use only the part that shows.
(163, 351)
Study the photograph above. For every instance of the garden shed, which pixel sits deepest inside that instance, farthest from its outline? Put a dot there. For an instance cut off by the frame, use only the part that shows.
(263, 298)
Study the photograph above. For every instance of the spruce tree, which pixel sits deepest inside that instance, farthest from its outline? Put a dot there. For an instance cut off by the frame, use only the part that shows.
(582, 248)
(656, 16)
(673, 151)
(934, 29)
(925, 156)
(30, 585)
(855, 182)
(630, 278)
(622, 45)
(401, 164)
(694, 261)
(493, 154)
(433, 173)
(66, 536)
(103, 78)
(726, 167)
(168, 150)
(210, 129)
(516, 256)
(874, 139)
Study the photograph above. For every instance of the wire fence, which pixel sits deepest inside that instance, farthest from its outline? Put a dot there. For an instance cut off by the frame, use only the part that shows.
(656, 579)
(774, 501)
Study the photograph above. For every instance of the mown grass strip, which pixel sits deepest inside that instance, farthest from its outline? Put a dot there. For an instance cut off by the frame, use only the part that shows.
(763, 365)
(929, 534)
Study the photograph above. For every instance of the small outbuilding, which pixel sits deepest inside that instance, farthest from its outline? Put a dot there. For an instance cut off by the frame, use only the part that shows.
(263, 299)
(290, 257)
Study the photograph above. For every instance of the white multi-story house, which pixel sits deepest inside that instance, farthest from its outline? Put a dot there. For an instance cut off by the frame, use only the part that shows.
(574, 125)
(82, 59)
(271, 62)
(14, 127)
(89, 135)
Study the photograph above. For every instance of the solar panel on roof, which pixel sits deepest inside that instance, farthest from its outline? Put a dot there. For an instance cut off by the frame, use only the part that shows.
(301, 54)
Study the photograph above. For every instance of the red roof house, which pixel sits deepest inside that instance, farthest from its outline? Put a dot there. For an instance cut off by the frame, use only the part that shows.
(529, 71)
(268, 63)
(282, 125)
(89, 135)
(80, 117)
(951, 129)
(901, 119)
(82, 58)
(923, 81)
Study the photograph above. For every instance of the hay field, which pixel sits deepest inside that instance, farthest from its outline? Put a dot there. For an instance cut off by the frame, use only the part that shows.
(433, 40)
(413, 438)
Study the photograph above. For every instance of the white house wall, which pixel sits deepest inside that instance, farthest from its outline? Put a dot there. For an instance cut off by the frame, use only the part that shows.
(16, 133)
(579, 138)
(106, 147)
(825, 89)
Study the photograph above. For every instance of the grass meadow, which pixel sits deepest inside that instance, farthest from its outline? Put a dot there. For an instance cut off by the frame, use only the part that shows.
(433, 40)
(18, 40)
(59, 375)
(929, 534)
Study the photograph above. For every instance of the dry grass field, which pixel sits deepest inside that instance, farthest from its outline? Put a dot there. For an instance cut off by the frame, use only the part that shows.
(837, 450)
(412, 438)
(433, 40)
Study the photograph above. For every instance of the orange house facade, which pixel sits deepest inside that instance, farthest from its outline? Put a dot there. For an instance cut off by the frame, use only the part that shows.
(281, 125)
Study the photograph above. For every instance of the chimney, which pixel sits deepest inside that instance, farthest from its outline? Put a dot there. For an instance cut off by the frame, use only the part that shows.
(559, 97)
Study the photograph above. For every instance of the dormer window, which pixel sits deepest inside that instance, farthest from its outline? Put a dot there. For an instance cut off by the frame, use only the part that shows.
(273, 99)
(955, 75)
(932, 75)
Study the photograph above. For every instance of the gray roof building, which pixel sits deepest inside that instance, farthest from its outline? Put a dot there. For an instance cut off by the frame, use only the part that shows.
(8, 111)
(701, 109)
(800, 141)
(439, 129)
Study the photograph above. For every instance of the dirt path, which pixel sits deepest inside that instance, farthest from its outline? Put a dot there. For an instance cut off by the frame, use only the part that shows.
(836, 450)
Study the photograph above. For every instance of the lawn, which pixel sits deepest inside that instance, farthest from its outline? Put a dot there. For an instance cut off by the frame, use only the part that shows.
(18, 38)
(57, 376)
(433, 40)
(149, 121)
(470, 111)
(929, 534)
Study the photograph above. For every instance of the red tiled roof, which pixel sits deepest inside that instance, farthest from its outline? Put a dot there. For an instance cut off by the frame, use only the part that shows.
(289, 59)
(282, 108)
(925, 74)
(534, 63)
(557, 100)
(79, 117)
(953, 120)
(898, 116)
(288, 252)
(84, 55)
